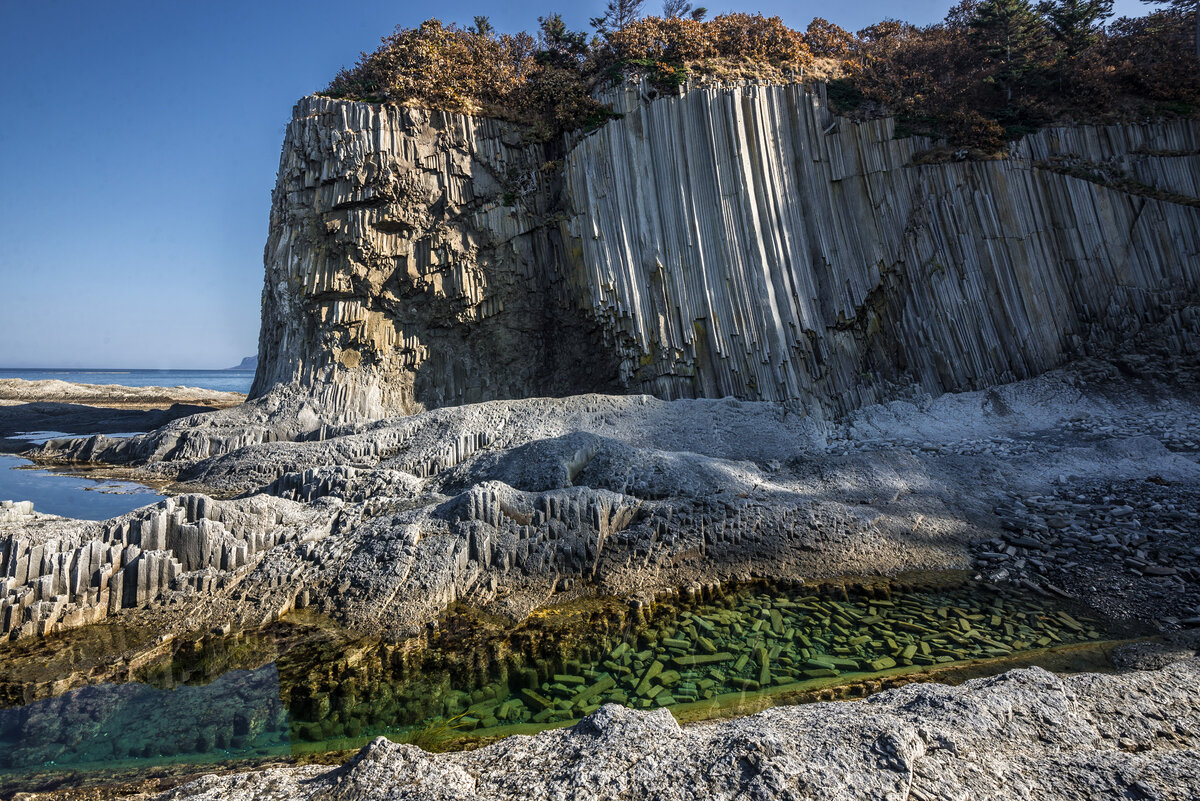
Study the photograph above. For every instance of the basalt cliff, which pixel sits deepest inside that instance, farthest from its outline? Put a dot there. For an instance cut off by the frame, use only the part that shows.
(728, 334)
(732, 241)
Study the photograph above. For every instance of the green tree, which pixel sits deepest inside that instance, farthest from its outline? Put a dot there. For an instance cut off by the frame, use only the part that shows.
(958, 18)
(559, 46)
(617, 14)
(483, 26)
(675, 9)
(1076, 24)
(1010, 34)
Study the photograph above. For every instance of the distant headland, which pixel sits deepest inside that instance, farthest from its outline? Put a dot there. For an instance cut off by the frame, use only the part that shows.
(248, 363)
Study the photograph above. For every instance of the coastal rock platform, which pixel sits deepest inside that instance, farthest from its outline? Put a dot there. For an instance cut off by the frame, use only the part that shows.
(1078, 483)
(113, 396)
(68, 408)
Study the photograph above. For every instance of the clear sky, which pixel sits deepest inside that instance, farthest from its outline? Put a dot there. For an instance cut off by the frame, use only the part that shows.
(138, 149)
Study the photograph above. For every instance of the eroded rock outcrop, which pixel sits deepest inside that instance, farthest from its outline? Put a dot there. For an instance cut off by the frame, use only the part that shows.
(57, 573)
(733, 240)
(506, 504)
(729, 241)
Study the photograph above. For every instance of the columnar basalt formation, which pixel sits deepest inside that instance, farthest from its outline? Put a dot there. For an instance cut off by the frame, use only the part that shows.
(410, 262)
(507, 504)
(728, 241)
(733, 240)
(57, 574)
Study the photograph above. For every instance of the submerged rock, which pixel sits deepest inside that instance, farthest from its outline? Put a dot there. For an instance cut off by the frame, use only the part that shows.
(1024, 734)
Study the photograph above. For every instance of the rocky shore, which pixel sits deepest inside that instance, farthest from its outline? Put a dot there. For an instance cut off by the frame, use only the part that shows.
(1024, 734)
(509, 505)
(112, 396)
(62, 407)
(834, 394)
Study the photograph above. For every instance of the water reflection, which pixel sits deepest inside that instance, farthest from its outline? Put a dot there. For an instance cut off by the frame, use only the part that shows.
(59, 492)
(106, 726)
(475, 676)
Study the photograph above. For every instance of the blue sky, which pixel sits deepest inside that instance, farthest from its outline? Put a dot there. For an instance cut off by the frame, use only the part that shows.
(138, 149)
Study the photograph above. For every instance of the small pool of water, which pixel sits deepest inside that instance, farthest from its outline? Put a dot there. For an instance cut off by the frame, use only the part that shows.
(302, 686)
(70, 494)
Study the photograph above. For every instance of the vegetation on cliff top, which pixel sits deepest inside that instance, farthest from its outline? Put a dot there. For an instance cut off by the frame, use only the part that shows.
(991, 71)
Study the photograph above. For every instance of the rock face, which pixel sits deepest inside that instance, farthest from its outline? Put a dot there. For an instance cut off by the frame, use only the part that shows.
(735, 240)
(57, 573)
(1024, 734)
(411, 261)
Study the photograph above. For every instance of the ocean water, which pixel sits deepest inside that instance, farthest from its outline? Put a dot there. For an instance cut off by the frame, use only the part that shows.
(221, 380)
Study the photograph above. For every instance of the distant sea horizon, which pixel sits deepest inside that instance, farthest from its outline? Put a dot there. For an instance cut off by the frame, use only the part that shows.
(235, 380)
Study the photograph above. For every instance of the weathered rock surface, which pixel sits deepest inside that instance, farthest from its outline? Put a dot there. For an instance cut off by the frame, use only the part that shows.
(738, 241)
(507, 503)
(1024, 734)
(730, 241)
(29, 408)
(57, 573)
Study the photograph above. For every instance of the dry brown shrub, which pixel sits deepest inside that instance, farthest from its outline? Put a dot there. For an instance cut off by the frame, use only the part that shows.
(664, 39)
(757, 38)
(445, 66)
(932, 78)
(972, 129)
(731, 37)
(1152, 56)
(827, 40)
(555, 99)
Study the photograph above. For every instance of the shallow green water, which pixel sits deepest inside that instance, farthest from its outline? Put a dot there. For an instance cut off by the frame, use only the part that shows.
(303, 686)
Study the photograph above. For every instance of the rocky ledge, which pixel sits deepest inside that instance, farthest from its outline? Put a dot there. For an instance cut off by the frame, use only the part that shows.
(58, 406)
(1024, 734)
(510, 505)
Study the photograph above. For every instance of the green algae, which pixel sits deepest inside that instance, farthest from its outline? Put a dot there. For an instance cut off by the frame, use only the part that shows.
(301, 687)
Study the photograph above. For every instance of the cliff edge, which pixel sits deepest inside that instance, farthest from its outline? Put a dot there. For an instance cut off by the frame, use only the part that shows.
(734, 240)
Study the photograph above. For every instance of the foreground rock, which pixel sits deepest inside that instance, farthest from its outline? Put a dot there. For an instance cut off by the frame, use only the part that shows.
(1024, 734)
(60, 573)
